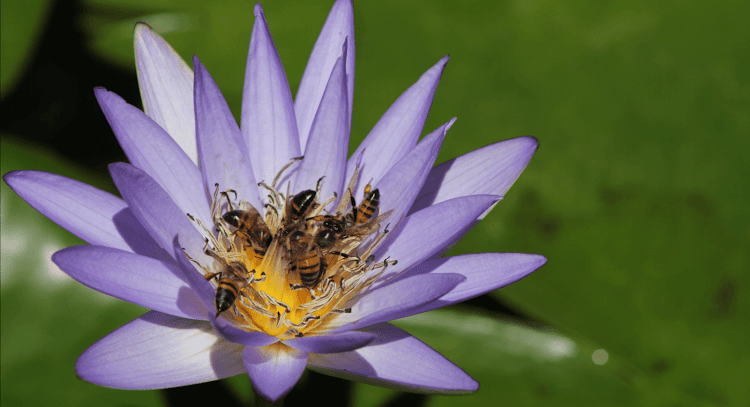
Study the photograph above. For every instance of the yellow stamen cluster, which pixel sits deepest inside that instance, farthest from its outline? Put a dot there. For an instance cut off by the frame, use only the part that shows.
(271, 296)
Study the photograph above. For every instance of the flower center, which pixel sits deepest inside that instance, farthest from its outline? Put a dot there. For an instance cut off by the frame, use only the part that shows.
(293, 271)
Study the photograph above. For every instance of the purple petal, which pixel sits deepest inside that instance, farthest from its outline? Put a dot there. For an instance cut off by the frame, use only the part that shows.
(166, 83)
(268, 123)
(431, 230)
(223, 155)
(396, 300)
(488, 170)
(236, 335)
(326, 151)
(96, 216)
(157, 351)
(332, 343)
(166, 223)
(137, 279)
(399, 186)
(339, 28)
(274, 369)
(150, 148)
(398, 130)
(398, 361)
(484, 272)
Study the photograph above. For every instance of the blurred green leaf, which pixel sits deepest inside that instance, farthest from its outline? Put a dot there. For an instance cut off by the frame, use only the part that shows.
(521, 365)
(638, 194)
(21, 25)
(48, 319)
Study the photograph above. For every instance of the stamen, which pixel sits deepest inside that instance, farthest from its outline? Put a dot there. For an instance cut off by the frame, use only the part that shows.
(273, 296)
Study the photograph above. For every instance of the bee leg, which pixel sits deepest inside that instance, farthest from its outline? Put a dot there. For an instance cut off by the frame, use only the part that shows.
(354, 205)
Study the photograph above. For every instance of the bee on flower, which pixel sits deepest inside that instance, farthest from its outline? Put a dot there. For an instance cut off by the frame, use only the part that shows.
(261, 248)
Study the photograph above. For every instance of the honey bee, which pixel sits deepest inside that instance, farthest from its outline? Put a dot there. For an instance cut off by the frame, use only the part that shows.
(300, 205)
(305, 258)
(251, 228)
(231, 280)
(366, 210)
(296, 209)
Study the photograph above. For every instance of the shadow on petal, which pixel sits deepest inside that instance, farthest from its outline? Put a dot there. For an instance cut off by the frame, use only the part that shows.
(138, 238)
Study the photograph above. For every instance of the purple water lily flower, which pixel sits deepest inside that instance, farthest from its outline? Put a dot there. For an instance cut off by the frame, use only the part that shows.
(334, 248)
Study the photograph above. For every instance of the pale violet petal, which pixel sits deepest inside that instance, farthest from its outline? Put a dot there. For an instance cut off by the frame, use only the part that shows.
(150, 148)
(96, 216)
(430, 231)
(166, 84)
(394, 301)
(325, 156)
(484, 272)
(268, 126)
(157, 351)
(128, 276)
(331, 343)
(166, 223)
(231, 333)
(398, 130)
(338, 28)
(223, 156)
(488, 170)
(400, 185)
(274, 369)
(398, 361)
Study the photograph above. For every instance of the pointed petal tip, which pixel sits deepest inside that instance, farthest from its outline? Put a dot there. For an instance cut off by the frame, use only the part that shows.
(450, 123)
(274, 370)
(526, 146)
(10, 177)
(258, 10)
(541, 259)
(533, 140)
(140, 27)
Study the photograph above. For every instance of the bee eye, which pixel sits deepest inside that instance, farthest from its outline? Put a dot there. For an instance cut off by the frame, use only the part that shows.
(232, 218)
(334, 226)
(325, 238)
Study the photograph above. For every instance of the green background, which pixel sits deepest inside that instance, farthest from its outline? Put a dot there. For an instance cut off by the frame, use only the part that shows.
(637, 196)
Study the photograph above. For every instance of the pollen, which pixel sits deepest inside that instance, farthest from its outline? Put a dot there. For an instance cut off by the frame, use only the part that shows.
(291, 272)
